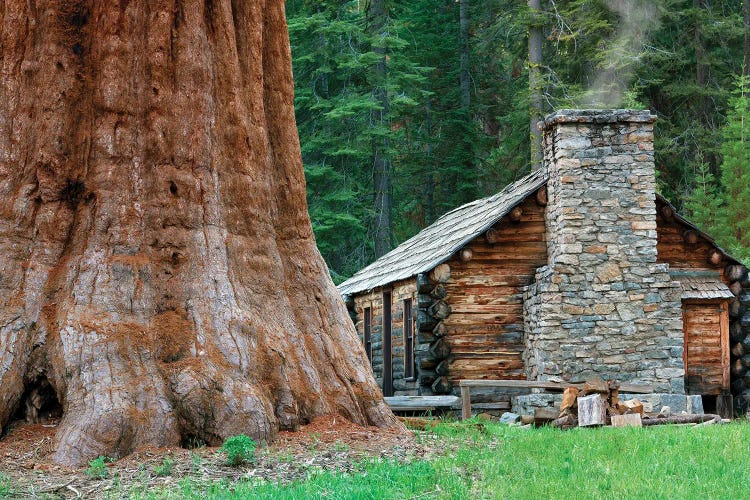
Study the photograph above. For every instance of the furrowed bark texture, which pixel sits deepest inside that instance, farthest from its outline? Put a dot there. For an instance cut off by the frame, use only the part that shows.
(158, 265)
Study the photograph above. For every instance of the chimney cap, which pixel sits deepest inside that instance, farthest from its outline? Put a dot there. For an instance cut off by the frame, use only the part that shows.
(599, 116)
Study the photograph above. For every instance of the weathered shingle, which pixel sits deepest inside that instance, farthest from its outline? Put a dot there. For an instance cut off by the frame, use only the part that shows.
(701, 284)
(438, 242)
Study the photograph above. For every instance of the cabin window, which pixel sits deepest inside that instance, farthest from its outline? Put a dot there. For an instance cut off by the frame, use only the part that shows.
(387, 354)
(408, 341)
(368, 335)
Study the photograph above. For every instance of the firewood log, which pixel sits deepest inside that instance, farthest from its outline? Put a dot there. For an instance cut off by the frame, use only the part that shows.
(592, 410)
(679, 419)
(569, 400)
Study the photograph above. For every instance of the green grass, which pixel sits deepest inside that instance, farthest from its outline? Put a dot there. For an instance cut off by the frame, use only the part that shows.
(494, 461)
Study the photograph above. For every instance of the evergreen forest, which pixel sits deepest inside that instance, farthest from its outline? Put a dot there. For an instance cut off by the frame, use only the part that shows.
(406, 109)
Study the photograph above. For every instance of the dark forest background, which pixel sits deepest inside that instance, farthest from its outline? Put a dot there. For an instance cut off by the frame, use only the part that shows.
(407, 109)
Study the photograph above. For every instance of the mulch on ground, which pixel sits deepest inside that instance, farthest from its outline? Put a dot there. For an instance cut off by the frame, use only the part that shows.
(330, 443)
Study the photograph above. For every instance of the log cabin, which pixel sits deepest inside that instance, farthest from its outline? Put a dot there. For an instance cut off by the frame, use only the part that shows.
(579, 269)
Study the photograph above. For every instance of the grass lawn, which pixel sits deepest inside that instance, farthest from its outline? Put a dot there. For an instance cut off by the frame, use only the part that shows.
(494, 461)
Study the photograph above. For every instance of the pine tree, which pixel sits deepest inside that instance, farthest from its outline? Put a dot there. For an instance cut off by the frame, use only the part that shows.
(703, 204)
(735, 169)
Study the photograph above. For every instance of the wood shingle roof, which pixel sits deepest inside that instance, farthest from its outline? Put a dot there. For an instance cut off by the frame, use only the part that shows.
(438, 242)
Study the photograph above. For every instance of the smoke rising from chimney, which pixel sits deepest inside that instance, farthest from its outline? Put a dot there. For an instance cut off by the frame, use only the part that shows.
(638, 19)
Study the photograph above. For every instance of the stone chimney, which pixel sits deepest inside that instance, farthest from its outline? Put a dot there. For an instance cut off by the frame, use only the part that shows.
(603, 306)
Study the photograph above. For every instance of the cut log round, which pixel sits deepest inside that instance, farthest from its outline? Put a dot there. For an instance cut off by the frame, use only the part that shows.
(424, 283)
(541, 196)
(441, 273)
(440, 310)
(738, 368)
(592, 410)
(425, 337)
(736, 288)
(424, 301)
(443, 367)
(735, 308)
(466, 254)
(440, 330)
(690, 237)
(715, 257)
(428, 364)
(442, 386)
(735, 272)
(440, 349)
(425, 322)
(439, 292)
(159, 266)
(667, 212)
(738, 349)
(738, 385)
(492, 236)
(427, 378)
(736, 332)
(516, 214)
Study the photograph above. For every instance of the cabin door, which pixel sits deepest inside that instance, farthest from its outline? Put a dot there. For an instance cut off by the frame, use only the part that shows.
(387, 353)
(706, 352)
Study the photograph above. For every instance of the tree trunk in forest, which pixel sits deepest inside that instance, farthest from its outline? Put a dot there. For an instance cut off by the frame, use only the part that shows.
(383, 234)
(701, 68)
(463, 25)
(535, 82)
(160, 276)
(746, 15)
(430, 184)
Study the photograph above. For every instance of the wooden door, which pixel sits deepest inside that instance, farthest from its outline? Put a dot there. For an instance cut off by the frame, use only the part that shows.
(706, 353)
(387, 353)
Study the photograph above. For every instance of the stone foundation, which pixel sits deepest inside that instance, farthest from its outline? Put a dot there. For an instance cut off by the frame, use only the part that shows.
(603, 306)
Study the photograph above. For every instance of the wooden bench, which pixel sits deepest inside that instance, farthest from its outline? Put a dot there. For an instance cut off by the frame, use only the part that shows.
(421, 403)
(466, 386)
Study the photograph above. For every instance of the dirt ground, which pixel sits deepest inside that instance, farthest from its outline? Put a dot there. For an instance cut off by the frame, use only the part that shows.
(328, 443)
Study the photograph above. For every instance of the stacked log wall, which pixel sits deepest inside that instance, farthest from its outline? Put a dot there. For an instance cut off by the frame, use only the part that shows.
(681, 246)
(485, 293)
(400, 291)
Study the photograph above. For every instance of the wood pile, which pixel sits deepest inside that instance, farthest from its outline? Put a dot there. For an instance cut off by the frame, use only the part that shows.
(598, 404)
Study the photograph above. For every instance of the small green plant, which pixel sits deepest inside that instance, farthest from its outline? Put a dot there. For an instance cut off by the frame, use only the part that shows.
(340, 446)
(6, 486)
(239, 449)
(196, 461)
(97, 468)
(166, 467)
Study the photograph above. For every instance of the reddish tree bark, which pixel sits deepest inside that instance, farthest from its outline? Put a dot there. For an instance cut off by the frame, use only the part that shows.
(159, 273)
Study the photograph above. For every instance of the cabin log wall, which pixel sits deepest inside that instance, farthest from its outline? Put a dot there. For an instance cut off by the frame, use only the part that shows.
(400, 291)
(485, 328)
(680, 246)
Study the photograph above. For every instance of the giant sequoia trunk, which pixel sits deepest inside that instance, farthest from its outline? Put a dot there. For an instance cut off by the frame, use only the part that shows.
(160, 279)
